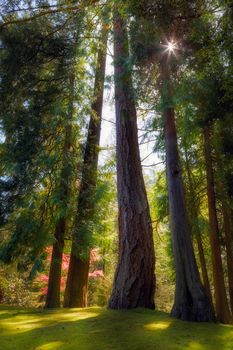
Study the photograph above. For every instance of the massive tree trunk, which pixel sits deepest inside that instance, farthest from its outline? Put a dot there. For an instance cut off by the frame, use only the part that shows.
(77, 280)
(197, 232)
(221, 303)
(191, 302)
(53, 293)
(134, 283)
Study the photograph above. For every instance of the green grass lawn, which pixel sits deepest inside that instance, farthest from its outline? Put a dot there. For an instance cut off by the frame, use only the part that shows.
(100, 329)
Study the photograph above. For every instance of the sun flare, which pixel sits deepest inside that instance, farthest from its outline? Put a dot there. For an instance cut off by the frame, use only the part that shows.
(171, 47)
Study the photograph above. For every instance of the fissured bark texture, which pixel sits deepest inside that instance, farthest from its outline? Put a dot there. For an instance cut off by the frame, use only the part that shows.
(134, 283)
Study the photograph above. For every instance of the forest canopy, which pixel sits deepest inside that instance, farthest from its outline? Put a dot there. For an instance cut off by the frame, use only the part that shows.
(116, 155)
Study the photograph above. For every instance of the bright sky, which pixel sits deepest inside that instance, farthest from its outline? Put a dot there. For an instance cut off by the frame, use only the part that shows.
(108, 133)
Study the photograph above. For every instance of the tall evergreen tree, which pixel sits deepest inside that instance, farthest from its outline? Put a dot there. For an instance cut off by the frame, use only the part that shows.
(196, 229)
(134, 283)
(221, 302)
(191, 302)
(77, 280)
(35, 93)
(64, 187)
(53, 293)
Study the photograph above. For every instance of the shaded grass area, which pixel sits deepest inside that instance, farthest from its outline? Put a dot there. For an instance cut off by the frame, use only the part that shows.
(101, 329)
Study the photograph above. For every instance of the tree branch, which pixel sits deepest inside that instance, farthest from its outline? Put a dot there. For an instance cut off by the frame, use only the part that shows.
(48, 12)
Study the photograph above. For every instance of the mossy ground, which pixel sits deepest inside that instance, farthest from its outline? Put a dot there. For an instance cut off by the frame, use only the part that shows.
(100, 329)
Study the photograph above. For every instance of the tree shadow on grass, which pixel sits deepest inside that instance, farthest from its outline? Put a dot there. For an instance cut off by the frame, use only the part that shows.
(96, 329)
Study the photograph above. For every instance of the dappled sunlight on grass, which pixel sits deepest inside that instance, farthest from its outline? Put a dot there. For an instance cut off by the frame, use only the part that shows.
(195, 346)
(227, 336)
(157, 326)
(2, 312)
(22, 326)
(96, 328)
(23, 321)
(50, 346)
(75, 315)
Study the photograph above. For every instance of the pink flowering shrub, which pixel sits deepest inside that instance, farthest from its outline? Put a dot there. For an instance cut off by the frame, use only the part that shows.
(42, 279)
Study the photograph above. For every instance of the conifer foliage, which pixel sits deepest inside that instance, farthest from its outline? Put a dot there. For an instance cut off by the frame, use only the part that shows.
(60, 193)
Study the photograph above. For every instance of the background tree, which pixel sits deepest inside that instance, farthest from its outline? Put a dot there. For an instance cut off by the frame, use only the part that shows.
(77, 280)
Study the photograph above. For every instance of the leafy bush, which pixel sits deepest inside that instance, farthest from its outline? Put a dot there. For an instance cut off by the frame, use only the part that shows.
(16, 290)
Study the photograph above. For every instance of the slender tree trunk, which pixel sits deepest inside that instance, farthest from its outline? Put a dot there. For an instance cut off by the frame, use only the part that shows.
(227, 225)
(191, 302)
(204, 271)
(1, 295)
(221, 303)
(77, 280)
(197, 235)
(53, 293)
(134, 283)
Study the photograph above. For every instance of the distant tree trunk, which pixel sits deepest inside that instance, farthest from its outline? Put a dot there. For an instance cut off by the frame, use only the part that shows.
(53, 293)
(227, 222)
(191, 302)
(134, 283)
(77, 279)
(221, 303)
(1, 295)
(204, 271)
(197, 233)
(227, 225)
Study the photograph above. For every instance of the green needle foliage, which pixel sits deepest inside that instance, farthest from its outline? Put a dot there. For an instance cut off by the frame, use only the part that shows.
(48, 54)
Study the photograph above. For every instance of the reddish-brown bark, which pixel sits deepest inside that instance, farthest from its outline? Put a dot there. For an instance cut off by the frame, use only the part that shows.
(77, 280)
(221, 303)
(134, 283)
(53, 292)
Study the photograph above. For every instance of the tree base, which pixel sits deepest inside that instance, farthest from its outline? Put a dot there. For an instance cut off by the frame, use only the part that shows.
(196, 311)
(52, 304)
(116, 305)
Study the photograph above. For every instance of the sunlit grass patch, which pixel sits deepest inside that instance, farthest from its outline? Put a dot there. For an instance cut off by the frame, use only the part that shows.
(195, 346)
(50, 346)
(101, 329)
(157, 325)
